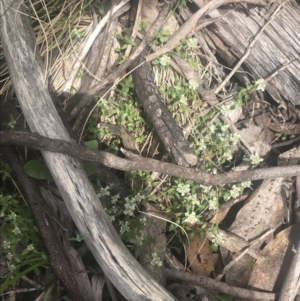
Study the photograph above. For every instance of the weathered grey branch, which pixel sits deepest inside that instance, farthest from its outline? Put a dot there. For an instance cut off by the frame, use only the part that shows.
(167, 129)
(28, 76)
(135, 162)
(210, 283)
(48, 222)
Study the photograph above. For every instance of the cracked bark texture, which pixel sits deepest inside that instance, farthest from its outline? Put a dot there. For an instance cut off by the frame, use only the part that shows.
(168, 131)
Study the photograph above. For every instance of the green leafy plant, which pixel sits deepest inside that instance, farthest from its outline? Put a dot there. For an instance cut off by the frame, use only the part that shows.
(37, 170)
(161, 37)
(244, 93)
(21, 245)
(124, 215)
(210, 139)
(126, 41)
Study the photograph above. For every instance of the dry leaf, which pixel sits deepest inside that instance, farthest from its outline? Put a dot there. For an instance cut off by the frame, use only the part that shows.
(272, 267)
(200, 257)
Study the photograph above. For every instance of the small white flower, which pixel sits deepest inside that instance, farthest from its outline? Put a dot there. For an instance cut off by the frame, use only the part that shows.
(164, 60)
(246, 184)
(194, 199)
(193, 84)
(12, 267)
(115, 198)
(235, 191)
(31, 246)
(105, 191)
(139, 198)
(213, 204)
(183, 99)
(225, 109)
(137, 240)
(192, 43)
(128, 212)
(191, 218)
(224, 127)
(9, 256)
(205, 189)
(79, 237)
(212, 128)
(227, 155)
(255, 159)
(222, 137)
(12, 215)
(124, 227)
(156, 260)
(260, 85)
(2, 214)
(130, 206)
(234, 138)
(201, 144)
(214, 171)
(183, 189)
(6, 244)
(143, 220)
(217, 239)
(16, 230)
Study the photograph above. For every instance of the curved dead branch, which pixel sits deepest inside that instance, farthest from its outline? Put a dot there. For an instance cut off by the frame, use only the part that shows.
(135, 162)
(28, 76)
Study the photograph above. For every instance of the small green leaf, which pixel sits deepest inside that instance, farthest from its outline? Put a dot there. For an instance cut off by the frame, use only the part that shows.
(37, 170)
(204, 226)
(214, 248)
(93, 144)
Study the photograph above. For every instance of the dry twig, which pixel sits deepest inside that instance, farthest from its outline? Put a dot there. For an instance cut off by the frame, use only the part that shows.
(210, 283)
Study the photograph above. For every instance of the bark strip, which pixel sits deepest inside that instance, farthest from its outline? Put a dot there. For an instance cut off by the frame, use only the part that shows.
(168, 131)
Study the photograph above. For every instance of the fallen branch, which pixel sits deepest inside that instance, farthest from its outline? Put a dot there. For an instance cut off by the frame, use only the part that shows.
(135, 162)
(41, 212)
(167, 129)
(27, 74)
(218, 286)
